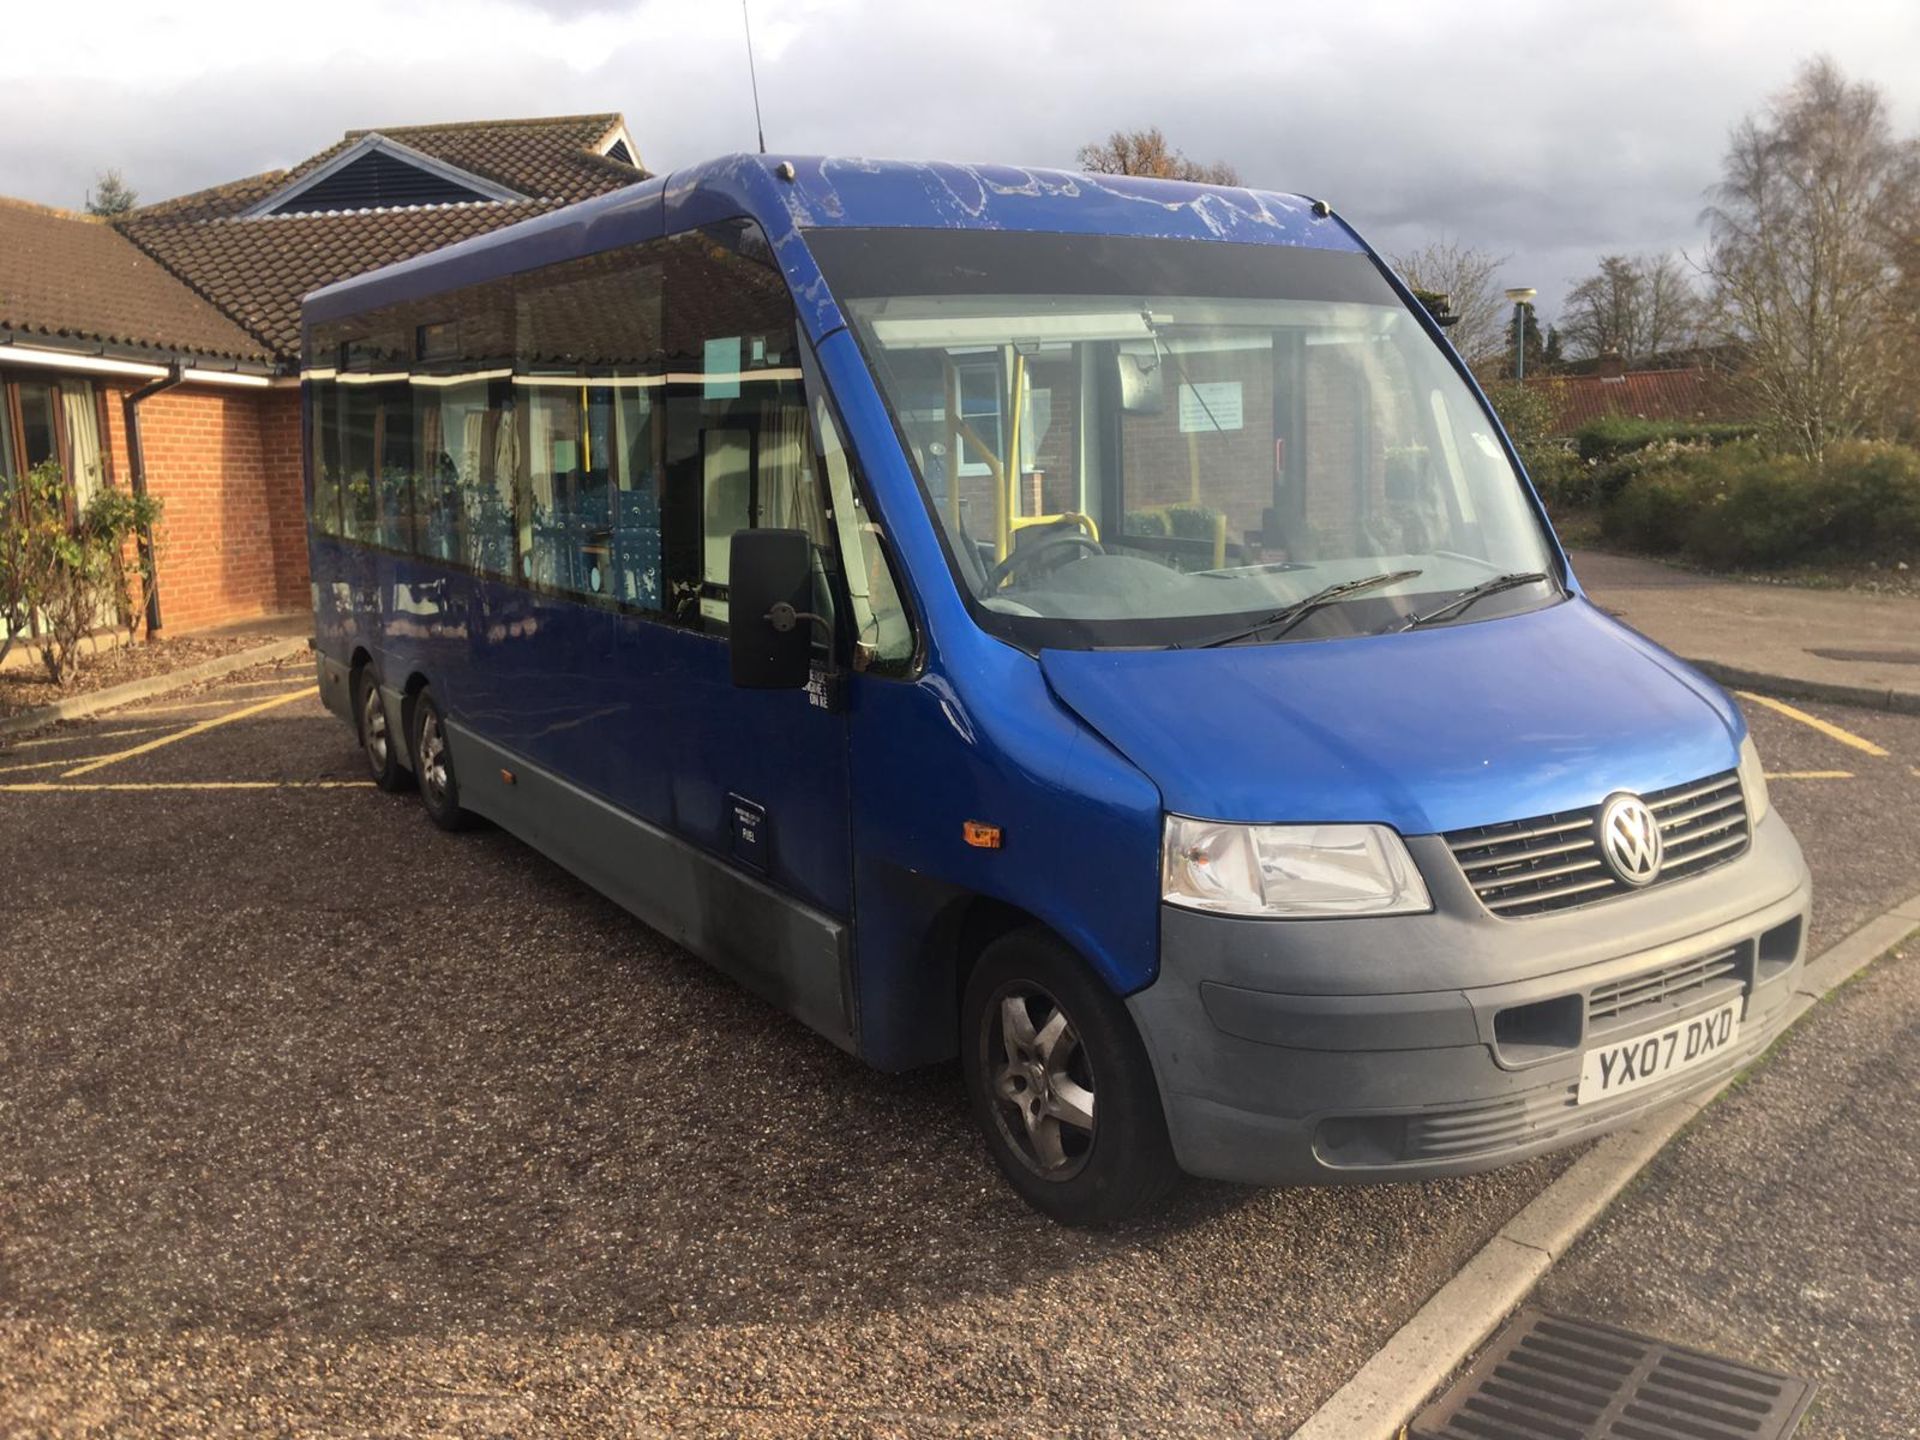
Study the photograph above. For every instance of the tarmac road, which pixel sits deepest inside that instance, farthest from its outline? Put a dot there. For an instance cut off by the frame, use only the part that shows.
(313, 1118)
(1782, 1228)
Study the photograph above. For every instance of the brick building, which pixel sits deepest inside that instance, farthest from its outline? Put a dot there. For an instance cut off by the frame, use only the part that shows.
(161, 350)
(1686, 393)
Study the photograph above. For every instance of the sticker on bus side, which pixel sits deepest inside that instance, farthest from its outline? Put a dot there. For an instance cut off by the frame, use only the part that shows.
(749, 831)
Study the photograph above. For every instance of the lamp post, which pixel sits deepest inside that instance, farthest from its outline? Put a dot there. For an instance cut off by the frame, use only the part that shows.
(1521, 296)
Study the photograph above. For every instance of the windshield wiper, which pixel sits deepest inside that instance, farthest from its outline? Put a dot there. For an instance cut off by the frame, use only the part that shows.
(1470, 596)
(1281, 621)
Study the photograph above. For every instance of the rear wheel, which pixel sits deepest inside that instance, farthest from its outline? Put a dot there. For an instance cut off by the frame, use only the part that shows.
(376, 735)
(433, 765)
(1061, 1085)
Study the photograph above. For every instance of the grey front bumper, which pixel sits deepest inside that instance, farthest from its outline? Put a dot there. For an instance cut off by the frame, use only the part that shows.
(1339, 1051)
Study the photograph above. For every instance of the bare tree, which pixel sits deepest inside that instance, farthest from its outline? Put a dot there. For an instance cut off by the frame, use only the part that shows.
(111, 195)
(1146, 152)
(1632, 307)
(1465, 275)
(1818, 203)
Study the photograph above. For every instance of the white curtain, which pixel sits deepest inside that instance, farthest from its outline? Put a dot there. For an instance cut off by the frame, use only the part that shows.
(789, 499)
(83, 440)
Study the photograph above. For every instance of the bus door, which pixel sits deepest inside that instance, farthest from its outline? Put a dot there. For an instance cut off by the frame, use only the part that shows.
(758, 776)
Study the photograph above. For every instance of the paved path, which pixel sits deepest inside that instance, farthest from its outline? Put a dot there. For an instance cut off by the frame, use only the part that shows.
(1782, 1229)
(1819, 642)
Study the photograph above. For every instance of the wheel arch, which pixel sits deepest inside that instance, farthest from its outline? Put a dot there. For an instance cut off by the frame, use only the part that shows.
(910, 1012)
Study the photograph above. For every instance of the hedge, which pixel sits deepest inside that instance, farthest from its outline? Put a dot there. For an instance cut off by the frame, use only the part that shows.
(1741, 505)
(1611, 436)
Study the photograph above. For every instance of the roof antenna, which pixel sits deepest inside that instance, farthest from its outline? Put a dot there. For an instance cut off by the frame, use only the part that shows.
(747, 22)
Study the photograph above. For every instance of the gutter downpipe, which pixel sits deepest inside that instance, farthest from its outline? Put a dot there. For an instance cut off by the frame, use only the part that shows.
(137, 474)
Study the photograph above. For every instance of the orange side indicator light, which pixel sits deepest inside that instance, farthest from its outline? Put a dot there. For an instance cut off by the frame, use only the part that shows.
(507, 777)
(981, 835)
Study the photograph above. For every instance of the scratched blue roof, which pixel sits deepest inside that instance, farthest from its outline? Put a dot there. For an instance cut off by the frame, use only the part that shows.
(833, 191)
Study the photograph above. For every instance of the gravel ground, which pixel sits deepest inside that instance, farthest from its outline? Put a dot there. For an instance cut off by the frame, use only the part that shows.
(314, 1119)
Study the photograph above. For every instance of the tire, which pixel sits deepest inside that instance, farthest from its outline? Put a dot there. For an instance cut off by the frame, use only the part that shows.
(376, 734)
(1068, 1054)
(433, 765)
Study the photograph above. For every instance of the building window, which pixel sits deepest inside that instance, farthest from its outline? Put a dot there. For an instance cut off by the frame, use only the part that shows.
(55, 420)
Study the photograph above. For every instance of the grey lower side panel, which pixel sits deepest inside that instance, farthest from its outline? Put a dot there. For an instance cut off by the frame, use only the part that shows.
(786, 952)
(334, 694)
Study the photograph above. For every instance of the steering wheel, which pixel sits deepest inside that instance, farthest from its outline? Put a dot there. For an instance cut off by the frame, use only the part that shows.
(1023, 556)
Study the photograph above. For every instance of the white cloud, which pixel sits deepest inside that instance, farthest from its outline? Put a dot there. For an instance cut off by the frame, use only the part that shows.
(1548, 132)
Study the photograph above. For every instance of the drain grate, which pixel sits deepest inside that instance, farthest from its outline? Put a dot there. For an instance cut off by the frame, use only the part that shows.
(1546, 1377)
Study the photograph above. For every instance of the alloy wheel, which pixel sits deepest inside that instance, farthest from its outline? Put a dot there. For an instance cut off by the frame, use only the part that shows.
(432, 758)
(1042, 1081)
(373, 726)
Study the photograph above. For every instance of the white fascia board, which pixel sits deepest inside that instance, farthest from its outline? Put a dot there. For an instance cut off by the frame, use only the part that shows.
(133, 369)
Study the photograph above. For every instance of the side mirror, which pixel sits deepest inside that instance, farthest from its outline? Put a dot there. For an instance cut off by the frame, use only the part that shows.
(769, 598)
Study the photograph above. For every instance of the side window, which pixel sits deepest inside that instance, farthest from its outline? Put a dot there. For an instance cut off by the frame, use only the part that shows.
(738, 454)
(882, 632)
(466, 446)
(372, 422)
(323, 438)
(587, 348)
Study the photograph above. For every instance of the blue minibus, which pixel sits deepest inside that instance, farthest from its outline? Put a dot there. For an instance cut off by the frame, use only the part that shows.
(1091, 627)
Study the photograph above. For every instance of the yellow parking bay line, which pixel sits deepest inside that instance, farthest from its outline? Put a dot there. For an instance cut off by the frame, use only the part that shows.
(1809, 775)
(42, 764)
(1826, 728)
(51, 787)
(96, 735)
(200, 729)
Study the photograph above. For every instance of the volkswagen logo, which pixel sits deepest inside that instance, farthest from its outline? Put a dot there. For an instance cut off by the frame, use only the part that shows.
(1630, 839)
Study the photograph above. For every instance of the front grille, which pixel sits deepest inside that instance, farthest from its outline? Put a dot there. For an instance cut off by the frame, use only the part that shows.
(1612, 1004)
(1553, 862)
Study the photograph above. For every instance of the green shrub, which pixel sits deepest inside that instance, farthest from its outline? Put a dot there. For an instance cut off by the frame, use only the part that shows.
(1601, 441)
(1529, 413)
(65, 574)
(1742, 505)
(1653, 513)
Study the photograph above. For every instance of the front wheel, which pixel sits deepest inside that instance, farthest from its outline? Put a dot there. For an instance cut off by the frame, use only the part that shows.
(1061, 1085)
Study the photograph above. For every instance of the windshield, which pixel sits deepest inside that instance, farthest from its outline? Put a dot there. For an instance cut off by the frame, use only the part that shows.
(1138, 442)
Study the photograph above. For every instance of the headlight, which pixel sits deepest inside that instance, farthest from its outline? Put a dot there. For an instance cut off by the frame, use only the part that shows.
(1289, 870)
(1753, 780)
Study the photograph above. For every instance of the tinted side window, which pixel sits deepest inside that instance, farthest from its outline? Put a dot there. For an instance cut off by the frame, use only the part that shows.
(738, 450)
(509, 427)
(587, 366)
(466, 447)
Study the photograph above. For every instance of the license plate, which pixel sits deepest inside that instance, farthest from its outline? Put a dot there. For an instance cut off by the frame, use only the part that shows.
(1613, 1070)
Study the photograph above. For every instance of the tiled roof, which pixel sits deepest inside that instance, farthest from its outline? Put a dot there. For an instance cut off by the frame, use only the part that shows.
(215, 202)
(548, 159)
(258, 270)
(1690, 394)
(544, 159)
(76, 280)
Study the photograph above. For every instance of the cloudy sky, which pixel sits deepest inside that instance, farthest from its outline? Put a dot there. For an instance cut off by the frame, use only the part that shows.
(1548, 132)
